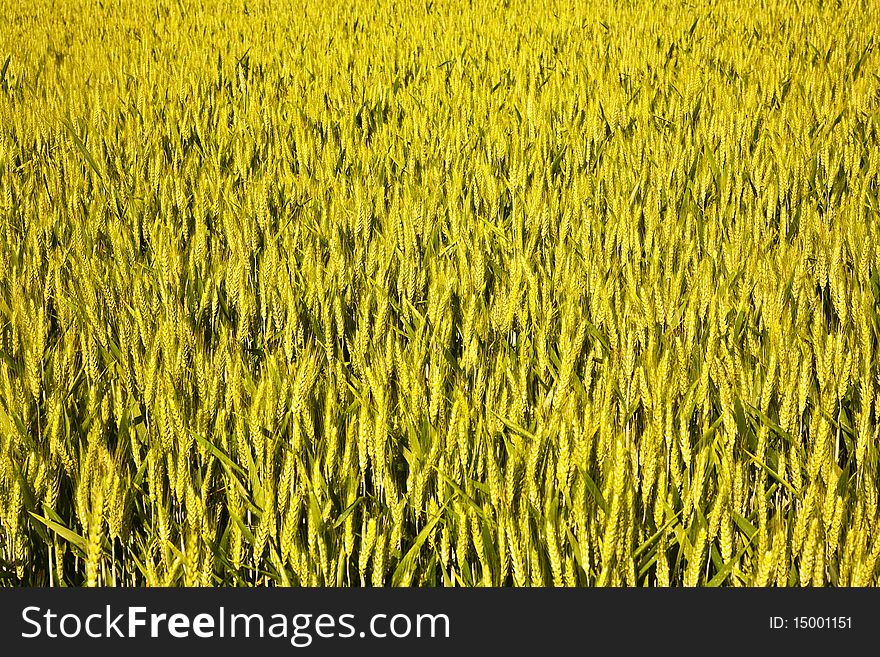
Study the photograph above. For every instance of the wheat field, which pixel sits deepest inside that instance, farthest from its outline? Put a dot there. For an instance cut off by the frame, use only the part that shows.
(444, 293)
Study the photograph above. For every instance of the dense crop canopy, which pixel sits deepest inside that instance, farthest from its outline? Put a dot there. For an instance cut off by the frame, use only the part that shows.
(439, 293)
